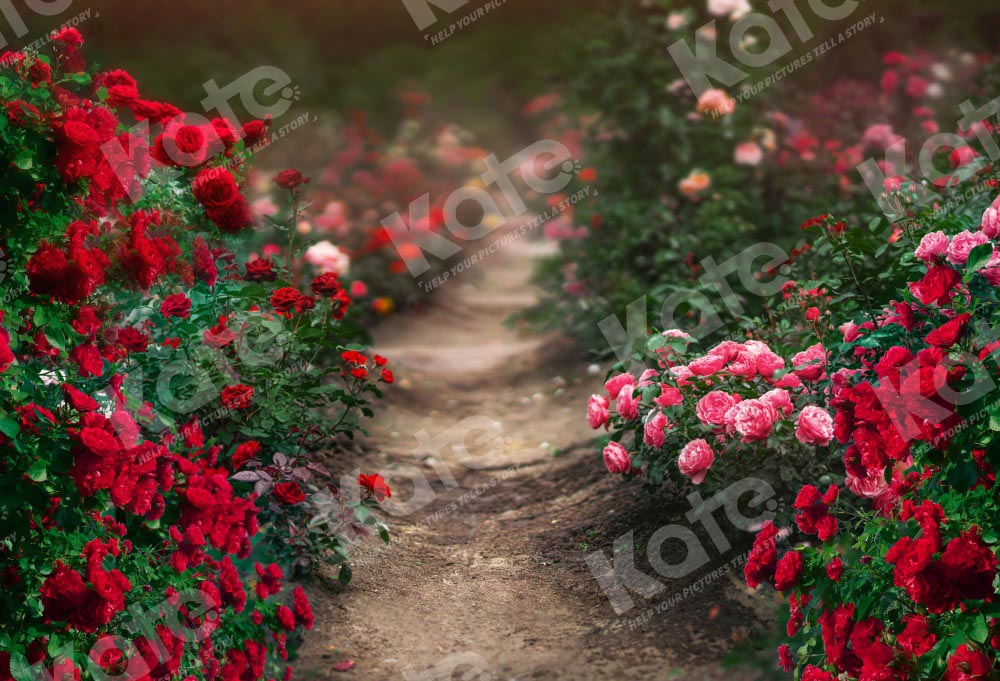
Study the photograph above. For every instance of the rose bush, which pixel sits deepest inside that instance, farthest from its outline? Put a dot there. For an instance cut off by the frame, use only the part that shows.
(739, 407)
(679, 177)
(900, 579)
(371, 177)
(162, 402)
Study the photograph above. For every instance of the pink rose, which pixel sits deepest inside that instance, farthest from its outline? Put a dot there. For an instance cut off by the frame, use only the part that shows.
(932, 245)
(881, 136)
(809, 364)
(962, 244)
(727, 350)
(616, 383)
(743, 365)
(716, 103)
(713, 407)
(677, 333)
(748, 154)
(617, 459)
(851, 331)
(871, 487)
(597, 411)
(695, 184)
(991, 220)
(682, 374)
(768, 363)
(814, 427)
(626, 405)
(326, 257)
(780, 400)
(788, 381)
(654, 434)
(752, 419)
(647, 376)
(695, 460)
(707, 365)
(669, 396)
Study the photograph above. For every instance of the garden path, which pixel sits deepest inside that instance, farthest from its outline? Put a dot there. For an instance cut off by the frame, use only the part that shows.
(488, 580)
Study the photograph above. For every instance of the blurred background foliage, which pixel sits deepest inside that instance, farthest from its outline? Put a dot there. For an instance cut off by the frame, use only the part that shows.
(355, 54)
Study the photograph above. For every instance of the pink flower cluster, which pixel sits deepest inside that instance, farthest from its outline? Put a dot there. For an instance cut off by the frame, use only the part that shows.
(936, 247)
(737, 392)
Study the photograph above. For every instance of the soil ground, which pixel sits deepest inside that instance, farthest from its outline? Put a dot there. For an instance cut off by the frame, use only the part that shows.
(489, 579)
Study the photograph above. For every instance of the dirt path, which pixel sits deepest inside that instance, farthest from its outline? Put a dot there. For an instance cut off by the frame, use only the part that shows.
(488, 581)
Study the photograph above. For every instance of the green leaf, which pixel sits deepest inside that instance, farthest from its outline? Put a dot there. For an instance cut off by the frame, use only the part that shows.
(978, 257)
(39, 471)
(9, 427)
(20, 668)
(25, 160)
(345, 575)
(980, 632)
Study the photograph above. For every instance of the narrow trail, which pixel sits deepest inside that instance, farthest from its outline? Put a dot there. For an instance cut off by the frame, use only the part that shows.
(487, 580)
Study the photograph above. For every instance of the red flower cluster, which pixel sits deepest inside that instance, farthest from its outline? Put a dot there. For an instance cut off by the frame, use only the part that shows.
(965, 570)
(763, 558)
(814, 511)
(86, 602)
(328, 286)
(237, 397)
(216, 189)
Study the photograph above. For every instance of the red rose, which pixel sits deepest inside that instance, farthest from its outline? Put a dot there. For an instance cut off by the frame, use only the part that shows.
(763, 556)
(949, 333)
(936, 286)
(204, 262)
(339, 304)
(301, 608)
(916, 639)
(63, 594)
(387, 376)
(376, 485)
(244, 453)
(225, 131)
(233, 218)
(216, 188)
(237, 397)
(254, 132)
(285, 299)
(289, 493)
(176, 305)
(132, 339)
(787, 571)
(219, 336)
(78, 400)
(86, 322)
(814, 673)
(968, 664)
(260, 270)
(39, 73)
(290, 179)
(99, 441)
(6, 355)
(286, 619)
(67, 279)
(970, 566)
(326, 285)
(188, 145)
(88, 360)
